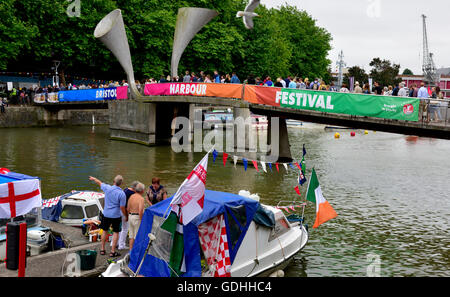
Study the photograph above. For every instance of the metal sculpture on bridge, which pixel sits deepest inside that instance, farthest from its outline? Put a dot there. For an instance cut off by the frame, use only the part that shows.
(249, 13)
(111, 31)
(190, 21)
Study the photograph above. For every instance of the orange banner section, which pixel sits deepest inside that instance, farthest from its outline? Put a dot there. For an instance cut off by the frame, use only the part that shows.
(260, 95)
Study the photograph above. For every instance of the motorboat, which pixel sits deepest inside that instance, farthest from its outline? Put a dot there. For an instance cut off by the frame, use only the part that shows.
(74, 208)
(259, 239)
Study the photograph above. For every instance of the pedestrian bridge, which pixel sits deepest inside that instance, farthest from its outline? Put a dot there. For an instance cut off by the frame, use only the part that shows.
(148, 118)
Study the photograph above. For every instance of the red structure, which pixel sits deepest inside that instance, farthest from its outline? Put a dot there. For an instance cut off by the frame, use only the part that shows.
(444, 82)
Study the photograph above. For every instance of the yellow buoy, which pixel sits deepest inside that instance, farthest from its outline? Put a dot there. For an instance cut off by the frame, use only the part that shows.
(337, 135)
(366, 132)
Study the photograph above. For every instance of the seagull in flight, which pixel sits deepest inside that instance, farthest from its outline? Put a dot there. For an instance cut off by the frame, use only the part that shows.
(248, 14)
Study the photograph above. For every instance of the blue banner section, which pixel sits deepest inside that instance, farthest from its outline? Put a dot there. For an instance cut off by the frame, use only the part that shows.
(88, 95)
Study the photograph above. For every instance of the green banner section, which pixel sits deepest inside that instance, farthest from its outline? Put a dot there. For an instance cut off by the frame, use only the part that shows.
(385, 107)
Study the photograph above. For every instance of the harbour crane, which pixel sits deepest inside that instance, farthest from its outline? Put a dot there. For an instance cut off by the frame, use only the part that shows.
(428, 67)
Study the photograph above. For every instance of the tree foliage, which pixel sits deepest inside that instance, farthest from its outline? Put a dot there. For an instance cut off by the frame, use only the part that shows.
(408, 71)
(384, 72)
(358, 73)
(285, 41)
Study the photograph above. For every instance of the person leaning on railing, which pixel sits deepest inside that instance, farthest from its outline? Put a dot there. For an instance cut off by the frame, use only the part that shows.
(435, 105)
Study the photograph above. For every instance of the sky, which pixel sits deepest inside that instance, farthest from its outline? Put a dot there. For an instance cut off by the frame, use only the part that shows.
(389, 29)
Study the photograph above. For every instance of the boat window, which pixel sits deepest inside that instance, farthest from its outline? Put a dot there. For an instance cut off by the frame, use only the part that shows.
(91, 211)
(31, 218)
(237, 220)
(72, 212)
(102, 202)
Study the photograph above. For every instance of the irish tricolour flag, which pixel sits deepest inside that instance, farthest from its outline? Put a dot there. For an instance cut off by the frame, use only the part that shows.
(324, 211)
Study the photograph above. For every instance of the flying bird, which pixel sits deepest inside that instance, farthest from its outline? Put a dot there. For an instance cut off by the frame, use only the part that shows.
(248, 14)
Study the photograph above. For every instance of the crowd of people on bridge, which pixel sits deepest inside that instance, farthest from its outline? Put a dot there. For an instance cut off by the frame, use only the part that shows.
(24, 96)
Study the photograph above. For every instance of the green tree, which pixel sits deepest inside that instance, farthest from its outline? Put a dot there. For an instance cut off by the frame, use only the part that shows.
(407, 71)
(358, 73)
(15, 34)
(384, 72)
(285, 41)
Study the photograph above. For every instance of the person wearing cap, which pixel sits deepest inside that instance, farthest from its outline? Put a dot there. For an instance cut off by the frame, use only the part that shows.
(358, 89)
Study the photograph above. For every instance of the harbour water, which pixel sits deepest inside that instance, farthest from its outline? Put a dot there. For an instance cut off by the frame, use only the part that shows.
(391, 192)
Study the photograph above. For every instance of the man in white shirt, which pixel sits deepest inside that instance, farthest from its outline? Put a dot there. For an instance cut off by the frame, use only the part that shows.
(423, 92)
(403, 92)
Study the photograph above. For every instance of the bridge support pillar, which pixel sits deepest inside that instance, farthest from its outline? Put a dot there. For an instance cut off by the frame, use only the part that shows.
(133, 121)
(278, 141)
(145, 123)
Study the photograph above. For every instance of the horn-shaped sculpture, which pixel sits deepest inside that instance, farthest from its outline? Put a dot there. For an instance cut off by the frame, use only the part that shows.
(190, 21)
(111, 31)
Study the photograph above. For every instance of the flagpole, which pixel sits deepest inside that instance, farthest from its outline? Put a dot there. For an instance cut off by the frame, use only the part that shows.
(303, 211)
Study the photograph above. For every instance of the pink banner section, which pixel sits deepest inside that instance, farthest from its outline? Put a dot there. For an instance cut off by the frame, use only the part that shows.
(122, 92)
(195, 89)
(157, 89)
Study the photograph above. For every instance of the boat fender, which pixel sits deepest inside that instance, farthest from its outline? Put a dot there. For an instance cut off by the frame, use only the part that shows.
(278, 273)
(337, 135)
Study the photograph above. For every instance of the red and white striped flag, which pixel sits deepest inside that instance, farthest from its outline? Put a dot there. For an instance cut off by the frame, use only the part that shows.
(19, 198)
(191, 194)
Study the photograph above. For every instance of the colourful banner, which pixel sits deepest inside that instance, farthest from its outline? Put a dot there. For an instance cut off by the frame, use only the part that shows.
(88, 95)
(397, 108)
(194, 89)
(122, 92)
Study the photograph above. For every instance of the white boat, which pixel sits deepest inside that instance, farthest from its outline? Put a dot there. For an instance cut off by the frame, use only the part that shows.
(74, 208)
(221, 118)
(266, 245)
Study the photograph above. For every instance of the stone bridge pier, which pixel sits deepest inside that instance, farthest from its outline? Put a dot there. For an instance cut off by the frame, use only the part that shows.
(145, 123)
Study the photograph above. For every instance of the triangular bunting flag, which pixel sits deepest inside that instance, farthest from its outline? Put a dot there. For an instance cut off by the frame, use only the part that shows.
(285, 166)
(292, 166)
(270, 166)
(235, 159)
(215, 153)
(298, 166)
(255, 164)
(276, 165)
(297, 189)
(263, 165)
(225, 157)
(245, 163)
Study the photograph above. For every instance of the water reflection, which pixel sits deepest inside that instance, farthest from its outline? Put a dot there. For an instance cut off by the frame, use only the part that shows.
(391, 191)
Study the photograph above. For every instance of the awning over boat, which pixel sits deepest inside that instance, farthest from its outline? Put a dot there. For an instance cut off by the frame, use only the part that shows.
(238, 213)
